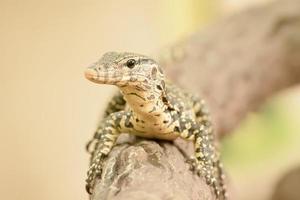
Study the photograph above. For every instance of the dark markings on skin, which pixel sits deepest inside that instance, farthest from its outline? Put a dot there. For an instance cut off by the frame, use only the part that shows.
(170, 109)
(175, 118)
(135, 94)
(164, 99)
(159, 87)
(176, 129)
(120, 101)
(128, 124)
(197, 150)
(165, 121)
(143, 121)
(191, 132)
(137, 120)
(95, 69)
(142, 105)
(157, 115)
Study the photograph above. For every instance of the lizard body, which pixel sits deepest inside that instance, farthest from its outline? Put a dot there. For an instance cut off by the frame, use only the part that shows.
(152, 107)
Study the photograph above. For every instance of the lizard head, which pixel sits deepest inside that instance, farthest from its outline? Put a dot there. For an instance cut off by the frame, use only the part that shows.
(126, 70)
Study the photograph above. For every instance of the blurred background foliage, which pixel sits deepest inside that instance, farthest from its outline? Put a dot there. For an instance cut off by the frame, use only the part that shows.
(264, 147)
(48, 110)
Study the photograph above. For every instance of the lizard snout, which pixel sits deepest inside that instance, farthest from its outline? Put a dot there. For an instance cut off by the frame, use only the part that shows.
(104, 77)
(90, 74)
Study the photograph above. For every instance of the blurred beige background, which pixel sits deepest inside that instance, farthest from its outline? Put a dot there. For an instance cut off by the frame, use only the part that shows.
(48, 109)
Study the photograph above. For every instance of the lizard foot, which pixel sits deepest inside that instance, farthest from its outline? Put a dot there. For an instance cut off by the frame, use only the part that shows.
(207, 172)
(94, 171)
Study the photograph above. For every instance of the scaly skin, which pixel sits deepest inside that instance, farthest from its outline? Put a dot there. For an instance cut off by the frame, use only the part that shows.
(149, 106)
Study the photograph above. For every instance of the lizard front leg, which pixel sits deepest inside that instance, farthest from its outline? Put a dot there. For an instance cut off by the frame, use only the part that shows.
(201, 111)
(206, 161)
(106, 136)
(116, 104)
(203, 117)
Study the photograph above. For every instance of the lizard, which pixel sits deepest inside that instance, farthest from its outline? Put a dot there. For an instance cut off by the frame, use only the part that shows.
(150, 106)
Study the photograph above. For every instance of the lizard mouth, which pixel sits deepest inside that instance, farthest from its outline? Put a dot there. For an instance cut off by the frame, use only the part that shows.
(113, 78)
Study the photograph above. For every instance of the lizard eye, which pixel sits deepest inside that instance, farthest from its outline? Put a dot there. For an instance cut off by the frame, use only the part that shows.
(130, 63)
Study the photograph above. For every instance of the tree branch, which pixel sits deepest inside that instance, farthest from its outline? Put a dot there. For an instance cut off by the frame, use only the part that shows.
(241, 61)
(235, 65)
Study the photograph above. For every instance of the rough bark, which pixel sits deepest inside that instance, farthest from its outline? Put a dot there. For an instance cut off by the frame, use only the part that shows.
(235, 65)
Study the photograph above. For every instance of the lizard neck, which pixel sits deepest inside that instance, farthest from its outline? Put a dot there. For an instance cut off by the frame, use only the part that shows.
(146, 105)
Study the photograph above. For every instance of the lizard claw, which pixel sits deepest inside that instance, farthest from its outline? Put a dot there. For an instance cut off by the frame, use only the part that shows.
(88, 188)
(90, 146)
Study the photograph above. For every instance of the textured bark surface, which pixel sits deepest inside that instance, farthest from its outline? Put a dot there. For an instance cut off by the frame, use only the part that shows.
(235, 65)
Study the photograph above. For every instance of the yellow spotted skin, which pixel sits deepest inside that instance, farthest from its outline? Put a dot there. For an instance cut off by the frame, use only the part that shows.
(151, 107)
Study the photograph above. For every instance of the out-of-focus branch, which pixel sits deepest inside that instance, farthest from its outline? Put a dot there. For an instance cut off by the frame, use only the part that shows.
(241, 61)
(288, 186)
(235, 65)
